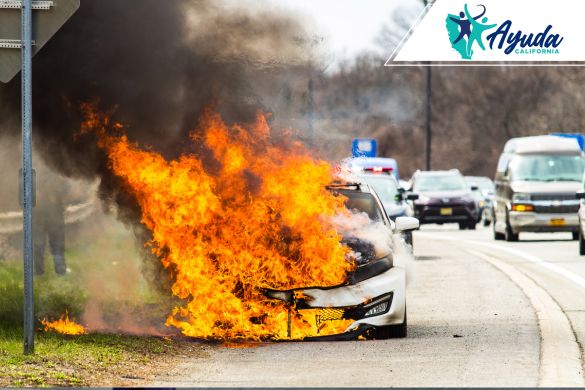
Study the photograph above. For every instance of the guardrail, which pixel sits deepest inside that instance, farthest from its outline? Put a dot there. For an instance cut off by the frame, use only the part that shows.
(11, 222)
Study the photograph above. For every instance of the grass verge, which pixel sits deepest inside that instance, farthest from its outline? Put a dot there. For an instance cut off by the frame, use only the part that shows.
(88, 360)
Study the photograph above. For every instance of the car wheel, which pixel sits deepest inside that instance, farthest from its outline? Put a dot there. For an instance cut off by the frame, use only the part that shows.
(486, 222)
(575, 236)
(497, 235)
(471, 224)
(391, 331)
(581, 243)
(462, 225)
(510, 235)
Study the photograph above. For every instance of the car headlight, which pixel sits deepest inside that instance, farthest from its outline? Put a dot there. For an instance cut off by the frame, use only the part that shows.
(520, 197)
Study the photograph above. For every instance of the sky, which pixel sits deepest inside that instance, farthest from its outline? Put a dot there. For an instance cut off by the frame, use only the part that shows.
(349, 26)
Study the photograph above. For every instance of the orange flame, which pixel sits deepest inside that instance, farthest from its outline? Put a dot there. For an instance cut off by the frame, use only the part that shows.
(260, 220)
(64, 326)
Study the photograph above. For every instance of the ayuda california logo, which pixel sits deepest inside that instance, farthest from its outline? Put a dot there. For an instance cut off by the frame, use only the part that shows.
(466, 32)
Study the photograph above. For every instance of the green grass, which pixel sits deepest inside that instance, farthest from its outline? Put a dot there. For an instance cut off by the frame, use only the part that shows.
(94, 359)
(106, 274)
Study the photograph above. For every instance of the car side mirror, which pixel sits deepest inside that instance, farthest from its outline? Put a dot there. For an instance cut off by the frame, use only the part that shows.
(412, 196)
(474, 188)
(580, 195)
(406, 224)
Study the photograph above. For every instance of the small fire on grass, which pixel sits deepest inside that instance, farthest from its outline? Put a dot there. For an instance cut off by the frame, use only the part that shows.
(64, 326)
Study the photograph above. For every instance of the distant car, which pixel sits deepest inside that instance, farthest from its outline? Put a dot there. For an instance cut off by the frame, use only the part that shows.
(536, 181)
(375, 295)
(484, 193)
(395, 200)
(444, 197)
(393, 197)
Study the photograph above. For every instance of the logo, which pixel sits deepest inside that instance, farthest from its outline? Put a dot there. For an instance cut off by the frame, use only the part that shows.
(465, 30)
(466, 33)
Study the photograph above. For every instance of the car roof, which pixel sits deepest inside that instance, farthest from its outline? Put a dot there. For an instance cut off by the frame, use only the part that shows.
(357, 186)
(453, 172)
(478, 178)
(542, 144)
(365, 175)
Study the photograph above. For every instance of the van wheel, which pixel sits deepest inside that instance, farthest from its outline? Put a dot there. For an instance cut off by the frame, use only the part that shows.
(497, 235)
(510, 235)
(581, 243)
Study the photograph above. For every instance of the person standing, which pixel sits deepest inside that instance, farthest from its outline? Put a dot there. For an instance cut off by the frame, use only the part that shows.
(49, 221)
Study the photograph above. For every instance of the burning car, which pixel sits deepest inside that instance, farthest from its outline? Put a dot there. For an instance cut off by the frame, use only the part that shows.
(374, 296)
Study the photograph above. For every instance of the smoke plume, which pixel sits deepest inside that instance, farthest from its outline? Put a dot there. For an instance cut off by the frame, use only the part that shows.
(156, 66)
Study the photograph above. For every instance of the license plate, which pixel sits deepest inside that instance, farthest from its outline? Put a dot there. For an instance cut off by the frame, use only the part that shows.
(446, 211)
(557, 222)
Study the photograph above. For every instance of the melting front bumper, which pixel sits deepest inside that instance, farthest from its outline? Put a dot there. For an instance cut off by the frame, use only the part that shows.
(354, 302)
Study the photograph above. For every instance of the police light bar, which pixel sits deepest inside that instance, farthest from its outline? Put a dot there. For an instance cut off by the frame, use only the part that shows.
(378, 169)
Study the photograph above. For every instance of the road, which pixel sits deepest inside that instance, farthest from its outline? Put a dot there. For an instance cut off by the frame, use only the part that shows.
(481, 313)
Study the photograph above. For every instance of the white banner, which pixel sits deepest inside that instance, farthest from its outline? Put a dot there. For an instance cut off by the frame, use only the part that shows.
(497, 30)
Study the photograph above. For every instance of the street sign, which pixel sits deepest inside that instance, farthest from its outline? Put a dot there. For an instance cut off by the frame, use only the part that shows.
(47, 19)
(364, 147)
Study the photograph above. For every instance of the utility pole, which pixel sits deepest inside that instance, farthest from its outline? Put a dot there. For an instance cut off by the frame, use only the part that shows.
(428, 106)
(428, 113)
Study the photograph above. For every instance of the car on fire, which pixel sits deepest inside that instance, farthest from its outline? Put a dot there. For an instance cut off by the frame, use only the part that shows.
(374, 297)
(444, 197)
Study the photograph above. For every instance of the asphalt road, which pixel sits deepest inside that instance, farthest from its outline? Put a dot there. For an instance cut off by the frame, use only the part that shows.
(481, 313)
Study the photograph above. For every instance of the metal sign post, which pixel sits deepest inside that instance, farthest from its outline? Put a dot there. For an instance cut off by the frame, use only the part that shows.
(54, 14)
(26, 75)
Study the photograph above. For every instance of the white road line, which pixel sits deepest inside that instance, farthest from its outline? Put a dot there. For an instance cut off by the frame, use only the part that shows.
(560, 358)
(573, 277)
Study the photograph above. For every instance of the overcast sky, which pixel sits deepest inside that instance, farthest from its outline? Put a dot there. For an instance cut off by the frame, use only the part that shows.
(349, 26)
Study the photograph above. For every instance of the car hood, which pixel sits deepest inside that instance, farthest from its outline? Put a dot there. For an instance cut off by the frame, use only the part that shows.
(546, 187)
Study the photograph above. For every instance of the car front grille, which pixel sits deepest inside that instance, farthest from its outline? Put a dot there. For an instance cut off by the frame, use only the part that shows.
(556, 209)
(552, 197)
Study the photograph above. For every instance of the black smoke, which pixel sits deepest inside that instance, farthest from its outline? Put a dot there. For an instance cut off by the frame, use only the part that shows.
(160, 64)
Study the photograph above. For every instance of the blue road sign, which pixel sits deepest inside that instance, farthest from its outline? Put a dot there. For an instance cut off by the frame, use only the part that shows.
(364, 147)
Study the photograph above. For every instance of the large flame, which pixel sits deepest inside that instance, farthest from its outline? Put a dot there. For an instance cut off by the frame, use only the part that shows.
(63, 325)
(258, 219)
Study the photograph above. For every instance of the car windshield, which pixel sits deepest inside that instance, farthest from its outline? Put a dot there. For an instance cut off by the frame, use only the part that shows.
(429, 183)
(364, 203)
(547, 168)
(385, 186)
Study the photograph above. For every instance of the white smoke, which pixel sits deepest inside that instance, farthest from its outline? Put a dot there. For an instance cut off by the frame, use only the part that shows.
(359, 225)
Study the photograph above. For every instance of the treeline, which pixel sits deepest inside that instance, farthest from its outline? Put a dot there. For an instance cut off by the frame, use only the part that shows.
(475, 110)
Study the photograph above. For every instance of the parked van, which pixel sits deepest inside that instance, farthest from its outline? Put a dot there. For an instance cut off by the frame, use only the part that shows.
(536, 181)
